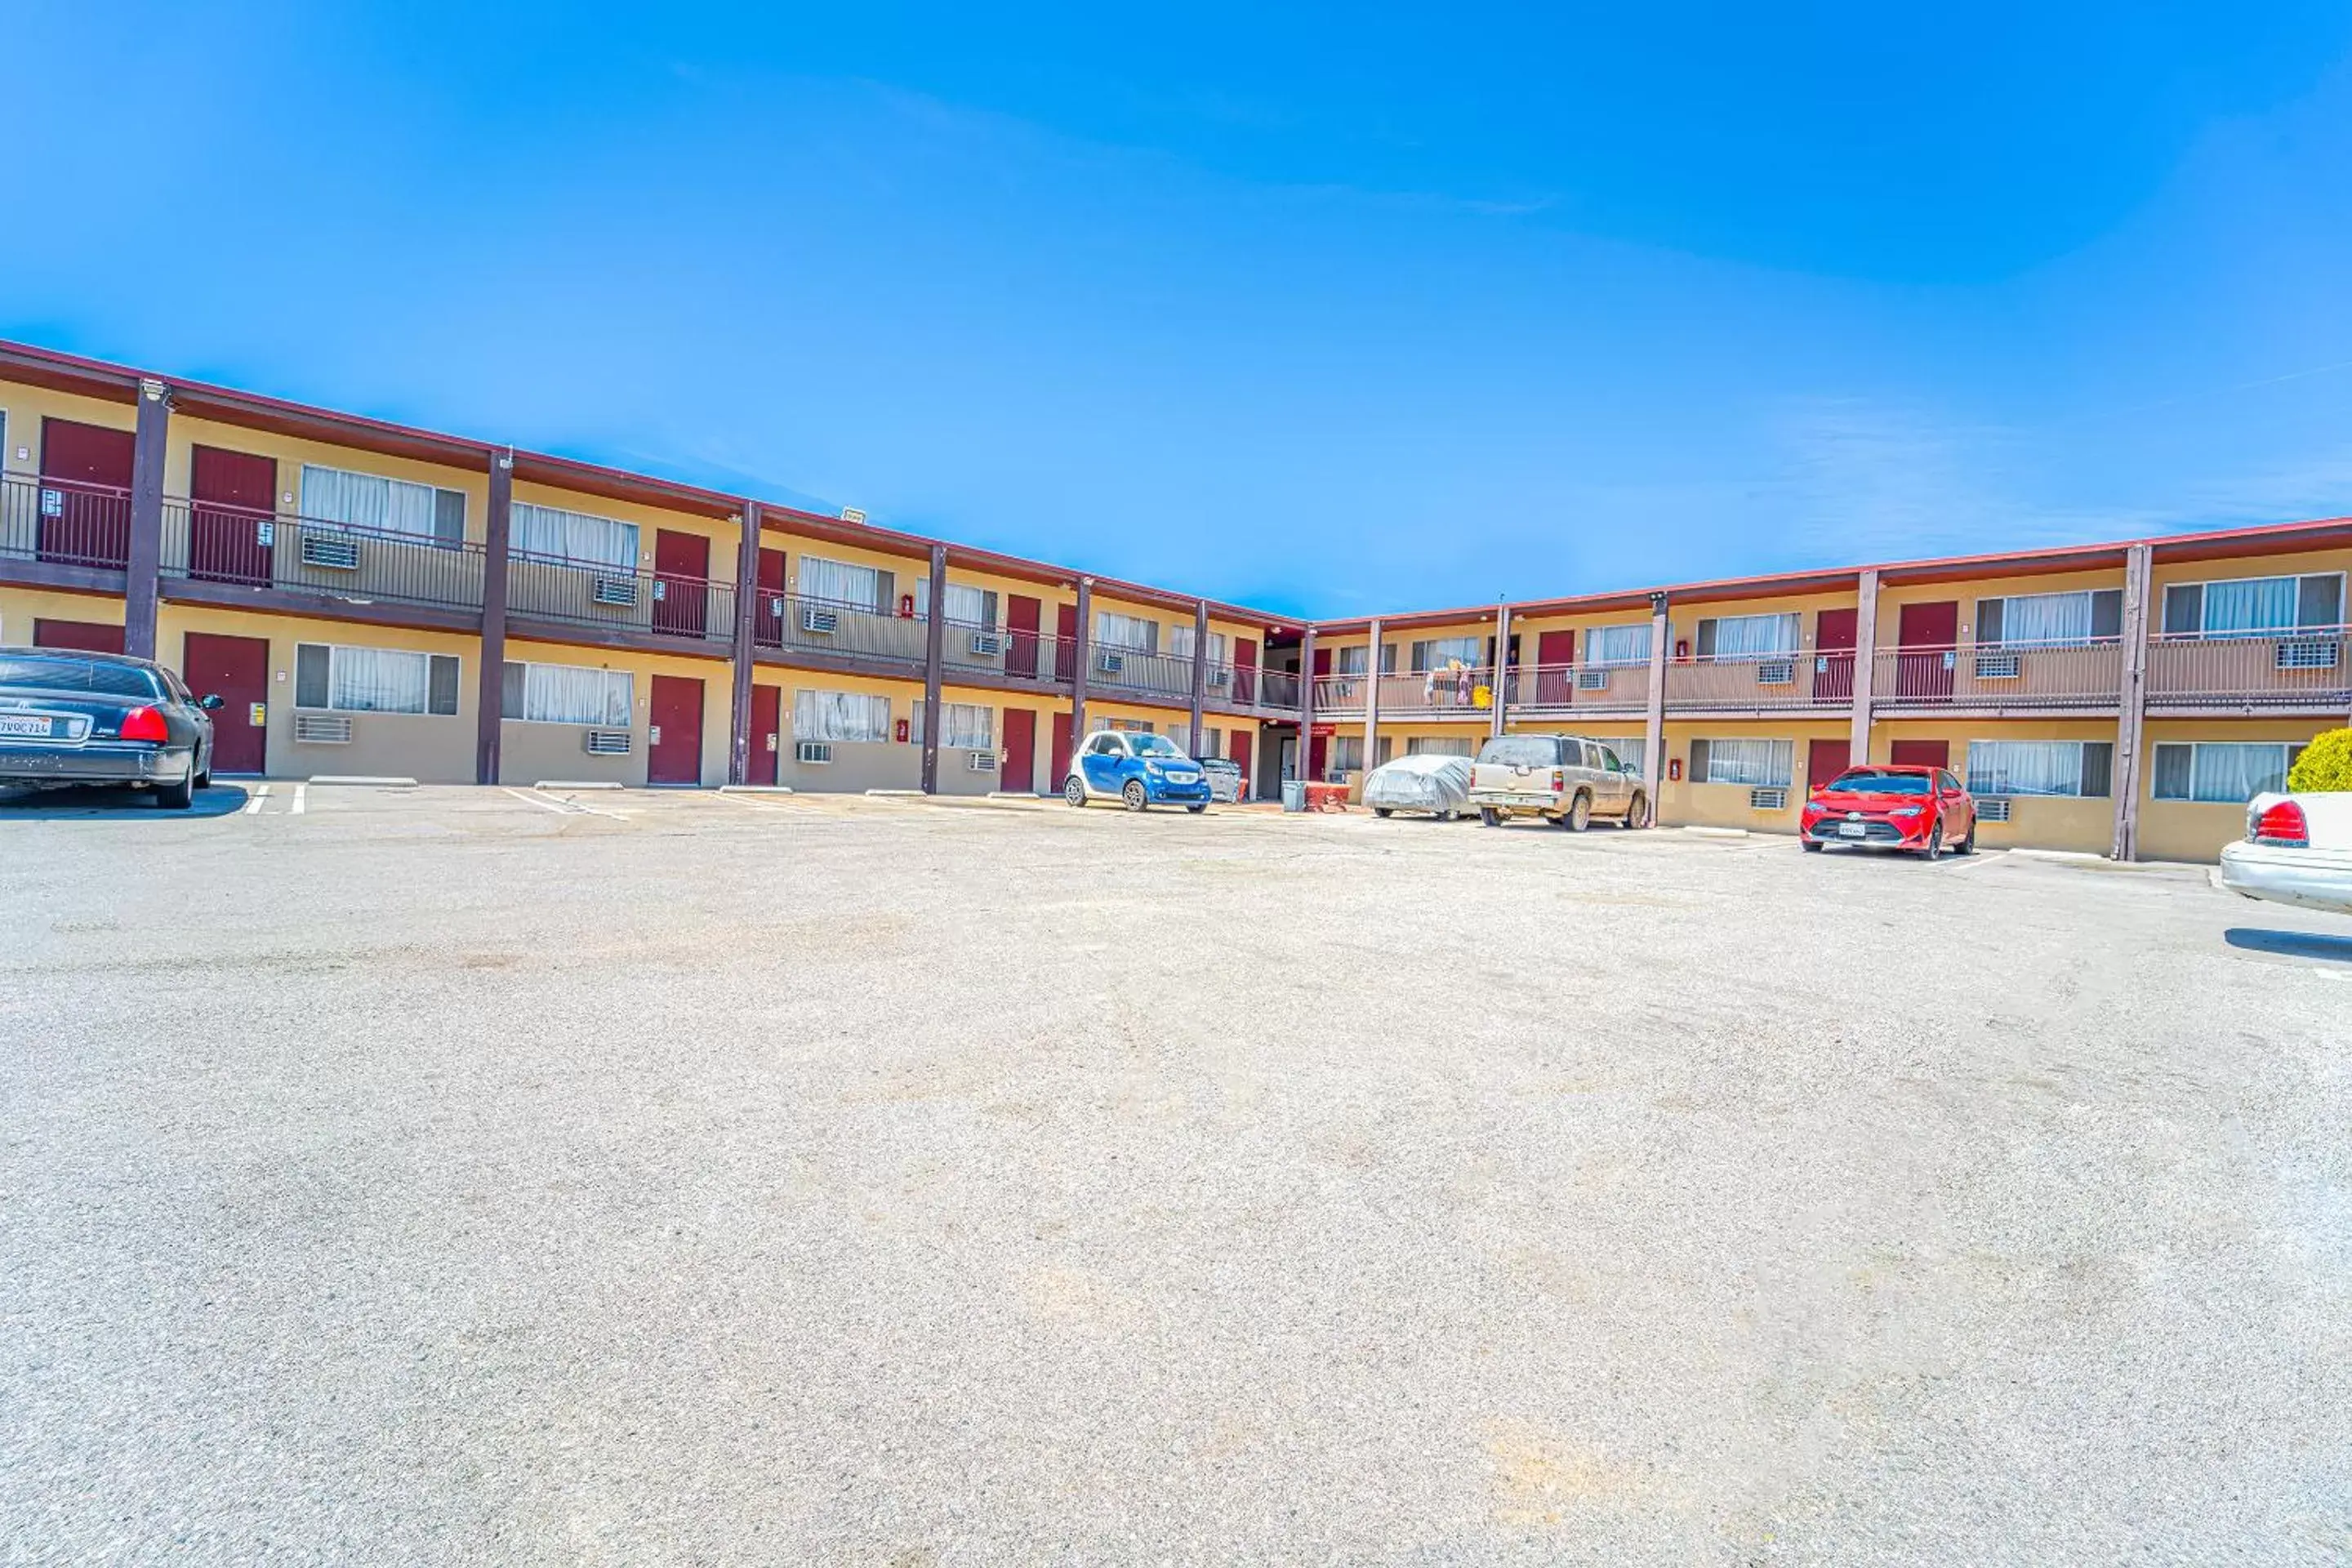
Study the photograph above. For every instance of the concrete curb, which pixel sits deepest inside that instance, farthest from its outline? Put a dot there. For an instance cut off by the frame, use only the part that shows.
(576, 783)
(1718, 832)
(755, 789)
(896, 793)
(363, 781)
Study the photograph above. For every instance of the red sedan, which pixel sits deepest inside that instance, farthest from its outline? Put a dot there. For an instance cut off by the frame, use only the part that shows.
(1924, 810)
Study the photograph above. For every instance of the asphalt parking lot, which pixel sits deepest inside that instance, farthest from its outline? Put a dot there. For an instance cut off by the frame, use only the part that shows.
(496, 1175)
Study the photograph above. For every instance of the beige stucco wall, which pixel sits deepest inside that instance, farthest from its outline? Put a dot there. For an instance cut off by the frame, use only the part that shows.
(529, 751)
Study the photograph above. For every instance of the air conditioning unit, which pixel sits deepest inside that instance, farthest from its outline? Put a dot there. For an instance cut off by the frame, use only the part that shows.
(608, 743)
(331, 551)
(987, 645)
(1219, 678)
(812, 751)
(322, 729)
(621, 593)
(1776, 672)
(1771, 799)
(979, 762)
(1992, 808)
(1109, 663)
(818, 618)
(2307, 653)
(1997, 666)
(1592, 681)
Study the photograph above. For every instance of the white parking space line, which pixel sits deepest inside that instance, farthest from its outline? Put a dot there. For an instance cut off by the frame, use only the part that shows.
(253, 806)
(556, 806)
(773, 804)
(564, 807)
(300, 792)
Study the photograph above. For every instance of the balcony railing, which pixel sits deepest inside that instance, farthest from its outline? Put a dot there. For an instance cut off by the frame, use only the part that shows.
(1578, 688)
(1762, 683)
(1276, 689)
(792, 623)
(71, 524)
(1005, 655)
(626, 599)
(206, 542)
(1163, 676)
(1989, 675)
(2303, 668)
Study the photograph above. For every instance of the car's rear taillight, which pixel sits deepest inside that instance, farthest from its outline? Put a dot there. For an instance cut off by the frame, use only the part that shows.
(144, 724)
(1558, 781)
(2282, 824)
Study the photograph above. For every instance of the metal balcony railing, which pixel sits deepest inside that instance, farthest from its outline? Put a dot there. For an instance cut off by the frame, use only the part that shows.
(1164, 675)
(2309, 667)
(72, 525)
(207, 543)
(1006, 655)
(1275, 690)
(1998, 675)
(1762, 683)
(1578, 688)
(792, 623)
(1461, 693)
(622, 599)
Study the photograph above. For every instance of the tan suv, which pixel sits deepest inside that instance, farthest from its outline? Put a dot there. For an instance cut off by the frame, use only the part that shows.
(1566, 780)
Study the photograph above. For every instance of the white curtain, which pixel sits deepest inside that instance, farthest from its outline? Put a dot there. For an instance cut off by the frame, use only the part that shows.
(1437, 653)
(551, 534)
(377, 680)
(2226, 771)
(1126, 631)
(2025, 767)
(1618, 645)
(966, 606)
(576, 694)
(1630, 751)
(1180, 643)
(1436, 746)
(971, 727)
(837, 583)
(847, 716)
(2250, 605)
(1755, 637)
(2046, 620)
(367, 501)
(1347, 754)
(1755, 763)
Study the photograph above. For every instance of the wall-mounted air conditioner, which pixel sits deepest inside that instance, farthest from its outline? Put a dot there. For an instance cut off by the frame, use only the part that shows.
(818, 618)
(979, 762)
(1776, 672)
(1109, 663)
(322, 729)
(621, 593)
(1997, 666)
(2306, 653)
(1992, 808)
(607, 742)
(334, 552)
(813, 752)
(1768, 799)
(987, 645)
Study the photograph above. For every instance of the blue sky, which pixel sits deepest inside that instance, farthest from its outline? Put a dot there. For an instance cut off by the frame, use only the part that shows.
(1330, 310)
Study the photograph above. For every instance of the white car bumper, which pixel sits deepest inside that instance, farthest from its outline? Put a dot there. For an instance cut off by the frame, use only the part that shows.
(2312, 878)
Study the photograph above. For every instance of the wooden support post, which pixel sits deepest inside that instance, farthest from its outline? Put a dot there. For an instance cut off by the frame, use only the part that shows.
(1654, 746)
(1081, 660)
(143, 559)
(2127, 774)
(490, 692)
(934, 653)
(1865, 661)
(1200, 672)
(1372, 700)
(1498, 676)
(746, 611)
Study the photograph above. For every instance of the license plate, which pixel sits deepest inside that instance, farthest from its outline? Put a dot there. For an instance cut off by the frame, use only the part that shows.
(36, 726)
(1852, 830)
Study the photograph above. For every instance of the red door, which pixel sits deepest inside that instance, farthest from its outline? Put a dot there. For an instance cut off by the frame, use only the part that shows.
(236, 670)
(1020, 740)
(768, 617)
(1826, 760)
(85, 493)
(1926, 634)
(1057, 761)
(767, 735)
(1237, 747)
(1066, 651)
(232, 497)
(674, 746)
(1322, 661)
(1555, 683)
(1021, 620)
(1318, 752)
(682, 578)
(1834, 632)
(1245, 670)
(1922, 755)
(88, 637)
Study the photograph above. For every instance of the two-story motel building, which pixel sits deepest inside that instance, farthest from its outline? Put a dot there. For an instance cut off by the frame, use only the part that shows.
(372, 599)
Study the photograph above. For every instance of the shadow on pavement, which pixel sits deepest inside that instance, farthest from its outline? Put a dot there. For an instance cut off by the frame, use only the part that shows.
(81, 802)
(2291, 944)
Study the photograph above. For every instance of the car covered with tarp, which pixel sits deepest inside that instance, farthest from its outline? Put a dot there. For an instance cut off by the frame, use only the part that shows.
(1437, 785)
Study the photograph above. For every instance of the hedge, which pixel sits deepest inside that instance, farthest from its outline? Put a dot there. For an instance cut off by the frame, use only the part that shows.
(2326, 763)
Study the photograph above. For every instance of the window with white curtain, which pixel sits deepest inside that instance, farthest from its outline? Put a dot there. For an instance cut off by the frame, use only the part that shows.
(1440, 746)
(2050, 620)
(1347, 754)
(2040, 767)
(2253, 606)
(1629, 750)
(573, 538)
(839, 582)
(1748, 637)
(373, 680)
(1131, 726)
(1618, 645)
(1137, 632)
(966, 605)
(1438, 653)
(1180, 643)
(423, 512)
(971, 726)
(1755, 762)
(2225, 772)
(844, 716)
(569, 694)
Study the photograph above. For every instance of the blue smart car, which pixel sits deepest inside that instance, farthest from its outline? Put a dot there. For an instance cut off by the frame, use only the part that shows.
(1135, 770)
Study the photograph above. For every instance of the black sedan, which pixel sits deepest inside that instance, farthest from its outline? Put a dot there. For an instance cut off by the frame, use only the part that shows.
(69, 718)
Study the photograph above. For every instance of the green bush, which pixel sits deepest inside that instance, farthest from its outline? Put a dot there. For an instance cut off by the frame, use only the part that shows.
(2326, 763)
